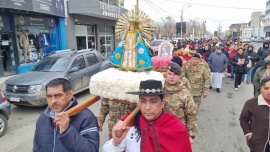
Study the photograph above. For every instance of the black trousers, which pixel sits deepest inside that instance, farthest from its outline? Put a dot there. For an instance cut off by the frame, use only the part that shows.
(267, 149)
(238, 79)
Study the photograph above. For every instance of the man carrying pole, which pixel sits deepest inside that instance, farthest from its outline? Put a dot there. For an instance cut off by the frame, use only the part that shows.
(153, 130)
(59, 130)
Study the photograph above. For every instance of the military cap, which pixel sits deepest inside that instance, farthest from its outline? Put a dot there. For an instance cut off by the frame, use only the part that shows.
(177, 60)
(175, 68)
(196, 55)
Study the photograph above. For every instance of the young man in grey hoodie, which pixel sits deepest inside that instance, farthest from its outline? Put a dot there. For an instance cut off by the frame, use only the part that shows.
(218, 63)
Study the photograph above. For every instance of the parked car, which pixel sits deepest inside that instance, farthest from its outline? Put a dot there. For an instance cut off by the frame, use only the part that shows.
(154, 46)
(28, 89)
(5, 110)
(254, 39)
(259, 40)
(246, 40)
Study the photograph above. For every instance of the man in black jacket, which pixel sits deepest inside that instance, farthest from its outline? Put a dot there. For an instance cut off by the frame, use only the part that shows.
(56, 131)
(262, 50)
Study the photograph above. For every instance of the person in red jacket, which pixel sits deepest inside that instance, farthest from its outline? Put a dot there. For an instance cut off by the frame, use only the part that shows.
(232, 53)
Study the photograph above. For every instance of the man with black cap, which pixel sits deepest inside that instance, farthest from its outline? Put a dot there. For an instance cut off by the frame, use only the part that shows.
(183, 80)
(223, 49)
(153, 129)
(181, 103)
(199, 77)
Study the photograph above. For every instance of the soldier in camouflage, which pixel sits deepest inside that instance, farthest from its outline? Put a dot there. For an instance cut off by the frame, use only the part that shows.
(181, 103)
(116, 111)
(198, 74)
(183, 80)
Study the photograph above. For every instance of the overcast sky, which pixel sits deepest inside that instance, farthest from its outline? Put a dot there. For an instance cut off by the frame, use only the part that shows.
(225, 12)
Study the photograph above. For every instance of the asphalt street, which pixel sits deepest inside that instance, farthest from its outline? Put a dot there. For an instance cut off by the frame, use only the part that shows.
(218, 124)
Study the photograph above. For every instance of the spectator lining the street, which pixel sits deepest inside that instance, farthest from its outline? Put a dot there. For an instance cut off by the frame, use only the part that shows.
(260, 72)
(254, 119)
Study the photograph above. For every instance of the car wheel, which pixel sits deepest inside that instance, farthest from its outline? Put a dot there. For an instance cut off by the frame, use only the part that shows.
(3, 125)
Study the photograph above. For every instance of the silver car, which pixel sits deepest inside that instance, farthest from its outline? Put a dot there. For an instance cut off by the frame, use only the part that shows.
(28, 89)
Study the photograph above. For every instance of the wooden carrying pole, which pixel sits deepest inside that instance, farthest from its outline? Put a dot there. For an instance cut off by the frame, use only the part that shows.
(128, 120)
(83, 105)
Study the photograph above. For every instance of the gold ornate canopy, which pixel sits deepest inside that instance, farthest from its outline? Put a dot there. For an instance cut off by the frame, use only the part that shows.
(143, 23)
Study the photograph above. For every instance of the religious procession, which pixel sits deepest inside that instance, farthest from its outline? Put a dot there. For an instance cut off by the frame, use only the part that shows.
(152, 98)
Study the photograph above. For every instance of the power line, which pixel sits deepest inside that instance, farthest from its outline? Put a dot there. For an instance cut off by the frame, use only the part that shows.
(159, 7)
(217, 6)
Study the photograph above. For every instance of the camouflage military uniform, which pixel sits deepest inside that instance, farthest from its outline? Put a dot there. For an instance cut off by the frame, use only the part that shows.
(181, 104)
(184, 82)
(199, 78)
(115, 110)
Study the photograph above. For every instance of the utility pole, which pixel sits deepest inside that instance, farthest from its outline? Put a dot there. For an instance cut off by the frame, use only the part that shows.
(182, 18)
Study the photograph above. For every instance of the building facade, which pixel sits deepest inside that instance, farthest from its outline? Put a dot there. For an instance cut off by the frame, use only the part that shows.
(29, 31)
(267, 19)
(91, 24)
(256, 18)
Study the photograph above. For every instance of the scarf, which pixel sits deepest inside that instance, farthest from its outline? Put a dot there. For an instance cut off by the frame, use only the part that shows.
(165, 134)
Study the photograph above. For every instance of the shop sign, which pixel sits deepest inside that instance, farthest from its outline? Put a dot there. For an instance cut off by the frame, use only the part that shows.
(4, 23)
(53, 7)
(34, 21)
(110, 10)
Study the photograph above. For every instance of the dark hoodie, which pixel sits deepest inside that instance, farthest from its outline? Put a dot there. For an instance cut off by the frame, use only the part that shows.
(258, 65)
(258, 75)
(262, 50)
(252, 54)
(207, 53)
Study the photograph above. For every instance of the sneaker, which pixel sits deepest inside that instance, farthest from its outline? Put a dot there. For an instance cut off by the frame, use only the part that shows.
(239, 86)
(236, 89)
(218, 90)
(210, 87)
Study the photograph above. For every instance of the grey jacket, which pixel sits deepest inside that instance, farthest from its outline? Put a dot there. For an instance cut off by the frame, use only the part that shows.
(217, 62)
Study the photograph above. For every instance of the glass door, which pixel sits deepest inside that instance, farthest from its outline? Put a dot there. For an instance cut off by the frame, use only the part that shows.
(81, 42)
(7, 61)
(91, 42)
(106, 44)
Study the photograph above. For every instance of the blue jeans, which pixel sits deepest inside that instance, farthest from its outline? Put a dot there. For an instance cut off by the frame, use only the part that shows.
(232, 73)
(249, 71)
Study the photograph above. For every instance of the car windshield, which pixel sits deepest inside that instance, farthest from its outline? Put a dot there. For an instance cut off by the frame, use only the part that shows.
(155, 43)
(53, 64)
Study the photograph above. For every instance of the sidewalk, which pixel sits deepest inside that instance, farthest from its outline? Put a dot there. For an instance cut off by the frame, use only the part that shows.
(3, 79)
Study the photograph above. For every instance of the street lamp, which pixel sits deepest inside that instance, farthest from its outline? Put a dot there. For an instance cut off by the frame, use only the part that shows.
(188, 5)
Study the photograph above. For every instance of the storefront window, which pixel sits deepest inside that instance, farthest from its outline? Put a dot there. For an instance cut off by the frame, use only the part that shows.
(91, 37)
(36, 38)
(85, 36)
(106, 40)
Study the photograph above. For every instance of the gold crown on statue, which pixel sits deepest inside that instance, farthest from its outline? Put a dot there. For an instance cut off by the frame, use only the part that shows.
(134, 21)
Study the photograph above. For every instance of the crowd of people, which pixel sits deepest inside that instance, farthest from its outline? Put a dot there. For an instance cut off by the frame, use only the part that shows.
(239, 60)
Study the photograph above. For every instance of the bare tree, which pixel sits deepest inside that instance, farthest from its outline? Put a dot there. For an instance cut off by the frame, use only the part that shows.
(219, 29)
(167, 27)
